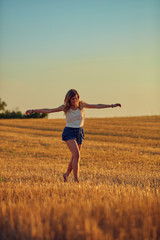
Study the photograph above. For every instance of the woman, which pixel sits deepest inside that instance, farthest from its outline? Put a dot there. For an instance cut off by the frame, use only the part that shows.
(73, 133)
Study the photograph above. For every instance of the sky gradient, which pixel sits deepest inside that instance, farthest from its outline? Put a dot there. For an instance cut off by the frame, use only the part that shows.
(107, 50)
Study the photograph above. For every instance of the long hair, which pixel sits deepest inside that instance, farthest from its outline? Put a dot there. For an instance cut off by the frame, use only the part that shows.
(67, 101)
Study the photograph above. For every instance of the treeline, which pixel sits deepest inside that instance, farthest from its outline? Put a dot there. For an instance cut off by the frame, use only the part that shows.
(17, 114)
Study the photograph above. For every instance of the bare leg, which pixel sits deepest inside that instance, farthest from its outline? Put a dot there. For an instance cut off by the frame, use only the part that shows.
(69, 170)
(74, 148)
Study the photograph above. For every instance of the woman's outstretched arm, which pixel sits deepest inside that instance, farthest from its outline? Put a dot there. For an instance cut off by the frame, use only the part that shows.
(98, 106)
(46, 110)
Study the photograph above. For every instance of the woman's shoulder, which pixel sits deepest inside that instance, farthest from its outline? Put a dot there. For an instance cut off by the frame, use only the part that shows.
(61, 108)
(81, 105)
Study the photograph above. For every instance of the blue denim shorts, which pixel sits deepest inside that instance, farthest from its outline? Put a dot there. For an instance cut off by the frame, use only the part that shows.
(73, 133)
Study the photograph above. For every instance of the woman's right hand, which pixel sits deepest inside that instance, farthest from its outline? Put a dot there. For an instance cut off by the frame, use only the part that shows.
(29, 112)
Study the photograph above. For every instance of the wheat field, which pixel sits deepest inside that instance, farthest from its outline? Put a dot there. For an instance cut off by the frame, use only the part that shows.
(118, 196)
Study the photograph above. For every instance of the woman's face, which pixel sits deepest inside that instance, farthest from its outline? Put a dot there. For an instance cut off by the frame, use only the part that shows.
(74, 101)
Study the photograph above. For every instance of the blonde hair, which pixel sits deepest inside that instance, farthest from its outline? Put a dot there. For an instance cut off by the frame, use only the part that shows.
(67, 104)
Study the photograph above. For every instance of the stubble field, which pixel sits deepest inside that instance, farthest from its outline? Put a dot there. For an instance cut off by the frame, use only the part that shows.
(118, 196)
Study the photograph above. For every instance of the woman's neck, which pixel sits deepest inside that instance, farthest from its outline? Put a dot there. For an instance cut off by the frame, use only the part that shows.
(74, 108)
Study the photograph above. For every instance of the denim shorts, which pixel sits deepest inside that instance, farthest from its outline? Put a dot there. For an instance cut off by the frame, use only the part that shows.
(73, 133)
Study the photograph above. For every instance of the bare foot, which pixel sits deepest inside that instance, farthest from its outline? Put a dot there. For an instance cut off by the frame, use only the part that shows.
(76, 180)
(65, 177)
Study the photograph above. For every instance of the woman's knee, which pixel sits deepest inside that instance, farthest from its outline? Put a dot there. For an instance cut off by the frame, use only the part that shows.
(76, 154)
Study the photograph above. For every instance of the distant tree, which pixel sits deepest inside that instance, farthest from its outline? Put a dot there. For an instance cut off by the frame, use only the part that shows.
(17, 113)
(13, 114)
(2, 105)
(36, 115)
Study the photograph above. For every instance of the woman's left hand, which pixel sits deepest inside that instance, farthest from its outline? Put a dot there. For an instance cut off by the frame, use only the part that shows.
(117, 105)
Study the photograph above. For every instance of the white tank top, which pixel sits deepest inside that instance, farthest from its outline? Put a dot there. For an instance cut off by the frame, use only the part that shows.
(75, 118)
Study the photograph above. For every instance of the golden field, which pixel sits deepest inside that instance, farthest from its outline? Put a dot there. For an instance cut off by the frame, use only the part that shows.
(118, 196)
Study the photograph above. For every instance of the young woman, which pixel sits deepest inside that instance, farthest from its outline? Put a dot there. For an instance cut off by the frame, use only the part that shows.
(73, 133)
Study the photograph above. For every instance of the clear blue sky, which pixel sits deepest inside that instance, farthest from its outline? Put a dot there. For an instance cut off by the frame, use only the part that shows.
(107, 50)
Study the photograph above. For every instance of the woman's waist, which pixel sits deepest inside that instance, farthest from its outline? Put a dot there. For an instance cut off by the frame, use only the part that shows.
(73, 127)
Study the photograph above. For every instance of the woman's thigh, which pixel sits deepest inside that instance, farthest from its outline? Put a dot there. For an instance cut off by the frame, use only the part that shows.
(73, 147)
